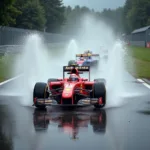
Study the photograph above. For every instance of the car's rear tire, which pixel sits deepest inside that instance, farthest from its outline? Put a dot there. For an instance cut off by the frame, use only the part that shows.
(72, 62)
(52, 80)
(102, 80)
(40, 91)
(99, 90)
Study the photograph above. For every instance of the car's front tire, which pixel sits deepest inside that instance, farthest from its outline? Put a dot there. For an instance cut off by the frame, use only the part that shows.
(99, 91)
(102, 80)
(40, 91)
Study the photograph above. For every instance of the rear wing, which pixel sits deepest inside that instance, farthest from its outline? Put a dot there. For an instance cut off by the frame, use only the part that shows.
(79, 68)
(86, 55)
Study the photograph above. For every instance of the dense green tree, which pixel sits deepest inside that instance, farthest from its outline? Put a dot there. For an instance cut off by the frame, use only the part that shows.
(136, 14)
(54, 11)
(33, 15)
(8, 12)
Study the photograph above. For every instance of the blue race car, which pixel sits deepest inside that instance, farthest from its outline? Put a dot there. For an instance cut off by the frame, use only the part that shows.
(89, 62)
(87, 59)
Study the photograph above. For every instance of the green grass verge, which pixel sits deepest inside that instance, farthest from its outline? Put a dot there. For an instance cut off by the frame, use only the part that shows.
(141, 61)
(6, 66)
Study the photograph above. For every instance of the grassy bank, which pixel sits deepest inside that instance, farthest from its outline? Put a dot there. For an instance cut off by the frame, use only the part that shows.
(6, 66)
(141, 61)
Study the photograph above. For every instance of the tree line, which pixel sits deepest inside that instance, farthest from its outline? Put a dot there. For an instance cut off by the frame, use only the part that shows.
(52, 16)
(42, 15)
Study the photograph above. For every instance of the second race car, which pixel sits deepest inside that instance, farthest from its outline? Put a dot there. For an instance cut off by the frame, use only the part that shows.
(85, 59)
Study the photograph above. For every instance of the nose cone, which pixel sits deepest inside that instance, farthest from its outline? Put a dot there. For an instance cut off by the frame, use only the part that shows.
(67, 93)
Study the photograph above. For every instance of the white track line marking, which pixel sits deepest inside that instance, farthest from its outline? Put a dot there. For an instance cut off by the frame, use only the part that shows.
(2, 83)
(140, 80)
(144, 83)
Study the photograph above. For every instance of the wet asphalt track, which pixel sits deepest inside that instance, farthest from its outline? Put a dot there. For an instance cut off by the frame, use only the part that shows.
(123, 128)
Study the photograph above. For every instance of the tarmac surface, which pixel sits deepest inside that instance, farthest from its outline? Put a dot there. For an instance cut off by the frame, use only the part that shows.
(125, 127)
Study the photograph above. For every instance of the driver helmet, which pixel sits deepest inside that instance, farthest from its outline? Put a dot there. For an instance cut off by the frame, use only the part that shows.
(73, 77)
(81, 58)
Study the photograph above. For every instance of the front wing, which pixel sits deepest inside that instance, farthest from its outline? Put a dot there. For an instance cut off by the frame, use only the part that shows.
(82, 102)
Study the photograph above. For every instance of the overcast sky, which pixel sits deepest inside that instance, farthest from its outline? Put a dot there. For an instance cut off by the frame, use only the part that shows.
(98, 5)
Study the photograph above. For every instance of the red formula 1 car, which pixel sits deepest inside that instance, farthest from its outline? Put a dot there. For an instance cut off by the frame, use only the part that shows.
(71, 91)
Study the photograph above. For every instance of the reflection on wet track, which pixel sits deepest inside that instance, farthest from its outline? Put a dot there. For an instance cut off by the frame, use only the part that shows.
(70, 122)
